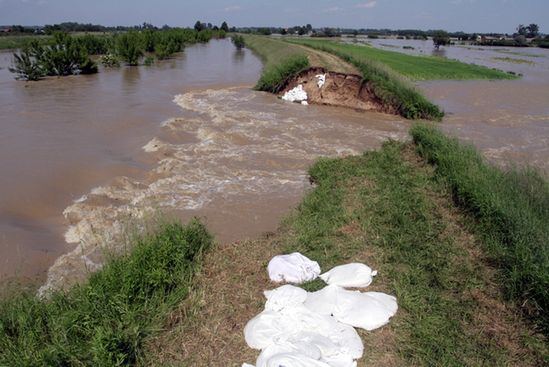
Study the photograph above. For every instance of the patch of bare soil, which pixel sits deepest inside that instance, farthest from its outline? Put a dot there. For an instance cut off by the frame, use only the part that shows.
(339, 89)
(208, 329)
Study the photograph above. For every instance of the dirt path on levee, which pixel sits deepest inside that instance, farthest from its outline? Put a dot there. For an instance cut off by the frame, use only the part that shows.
(328, 61)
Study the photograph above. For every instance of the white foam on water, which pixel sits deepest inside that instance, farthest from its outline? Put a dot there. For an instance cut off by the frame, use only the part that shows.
(245, 144)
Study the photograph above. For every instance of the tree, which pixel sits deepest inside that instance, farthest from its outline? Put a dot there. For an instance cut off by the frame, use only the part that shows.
(441, 38)
(198, 26)
(26, 66)
(522, 30)
(533, 30)
(225, 26)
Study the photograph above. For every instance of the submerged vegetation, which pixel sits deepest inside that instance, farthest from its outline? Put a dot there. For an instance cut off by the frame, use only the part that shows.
(105, 322)
(65, 54)
(238, 41)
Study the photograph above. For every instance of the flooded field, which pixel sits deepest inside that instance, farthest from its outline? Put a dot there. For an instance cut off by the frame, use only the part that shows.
(84, 156)
(507, 120)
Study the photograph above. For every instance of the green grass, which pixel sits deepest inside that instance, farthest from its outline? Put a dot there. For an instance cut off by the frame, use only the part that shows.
(274, 78)
(392, 89)
(105, 322)
(421, 254)
(16, 42)
(413, 67)
(281, 62)
(511, 210)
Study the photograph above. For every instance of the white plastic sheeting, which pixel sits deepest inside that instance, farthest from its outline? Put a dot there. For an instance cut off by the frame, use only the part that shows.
(297, 94)
(350, 276)
(321, 80)
(293, 268)
(298, 328)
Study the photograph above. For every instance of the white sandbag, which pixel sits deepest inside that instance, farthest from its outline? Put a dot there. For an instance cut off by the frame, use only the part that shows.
(370, 310)
(284, 297)
(321, 80)
(350, 276)
(300, 347)
(270, 327)
(293, 268)
(297, 94)
(294, 360)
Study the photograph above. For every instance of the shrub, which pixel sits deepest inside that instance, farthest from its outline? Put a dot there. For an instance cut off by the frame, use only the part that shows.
(238, 41)
(149, 60)
(26, 66)
(274, 78)
(88, 67)
(109, 61)
(129, 48)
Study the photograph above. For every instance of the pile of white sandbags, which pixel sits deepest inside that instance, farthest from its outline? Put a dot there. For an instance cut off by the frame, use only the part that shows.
(299, 328)
(297, 94)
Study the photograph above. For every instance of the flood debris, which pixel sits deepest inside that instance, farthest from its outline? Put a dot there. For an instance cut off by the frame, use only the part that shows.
(299, 328)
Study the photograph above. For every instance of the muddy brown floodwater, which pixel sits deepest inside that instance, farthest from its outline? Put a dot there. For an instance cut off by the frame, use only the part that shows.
(84, 158)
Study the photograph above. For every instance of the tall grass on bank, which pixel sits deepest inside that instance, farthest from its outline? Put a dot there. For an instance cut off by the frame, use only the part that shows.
(274, 78)
(280, 62)
(511, 211)
(386, 209)
(411, 66)
(390, 88)
(105, 322)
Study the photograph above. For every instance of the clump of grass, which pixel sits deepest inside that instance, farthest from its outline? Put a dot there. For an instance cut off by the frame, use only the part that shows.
(511, 211)
(275, 77)
(105, 322)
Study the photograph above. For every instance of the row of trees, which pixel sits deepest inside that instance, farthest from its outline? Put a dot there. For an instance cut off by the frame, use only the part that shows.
(199, 26)
(66, 54)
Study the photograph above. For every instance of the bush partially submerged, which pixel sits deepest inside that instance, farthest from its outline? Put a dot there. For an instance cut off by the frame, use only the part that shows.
(105, 322)
(238, 41)
(275, 77)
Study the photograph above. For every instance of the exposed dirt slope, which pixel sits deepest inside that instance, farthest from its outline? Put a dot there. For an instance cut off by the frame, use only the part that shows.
(339, 89)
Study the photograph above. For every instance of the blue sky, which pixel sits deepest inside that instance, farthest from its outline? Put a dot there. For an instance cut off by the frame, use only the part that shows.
(453, 15)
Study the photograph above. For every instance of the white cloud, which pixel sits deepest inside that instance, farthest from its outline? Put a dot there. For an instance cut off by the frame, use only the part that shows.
(333, 9)
(367, 5)
(233, 8)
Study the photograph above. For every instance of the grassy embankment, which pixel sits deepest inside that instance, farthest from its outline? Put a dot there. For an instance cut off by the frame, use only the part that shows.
(105, 322)
(411, 66)
(452, 267)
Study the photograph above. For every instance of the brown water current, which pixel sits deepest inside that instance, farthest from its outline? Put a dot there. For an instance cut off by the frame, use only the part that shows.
(86, 158)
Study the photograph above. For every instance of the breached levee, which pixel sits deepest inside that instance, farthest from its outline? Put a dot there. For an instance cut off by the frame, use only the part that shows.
(335, 89)
(234, 148)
